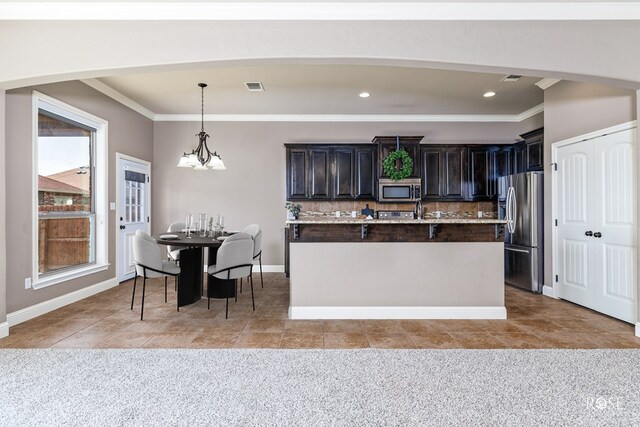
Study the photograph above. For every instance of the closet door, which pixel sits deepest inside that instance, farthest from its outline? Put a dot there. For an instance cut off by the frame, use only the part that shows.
(615, 227)
(575, 200)
(597, 215)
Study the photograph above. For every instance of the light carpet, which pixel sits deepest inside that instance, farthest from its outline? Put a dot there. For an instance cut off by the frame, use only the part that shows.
(319, 387)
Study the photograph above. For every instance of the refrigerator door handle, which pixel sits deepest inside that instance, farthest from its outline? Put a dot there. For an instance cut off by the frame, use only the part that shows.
(510, 210)
(515, 209)
(516, 250)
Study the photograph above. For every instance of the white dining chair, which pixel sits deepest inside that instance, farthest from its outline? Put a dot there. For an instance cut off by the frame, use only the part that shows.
(234, 260)
(149, 264)
(255, 232)
(174, 251)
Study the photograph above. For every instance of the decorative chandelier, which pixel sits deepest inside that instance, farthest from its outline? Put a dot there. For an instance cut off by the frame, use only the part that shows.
(202, 157)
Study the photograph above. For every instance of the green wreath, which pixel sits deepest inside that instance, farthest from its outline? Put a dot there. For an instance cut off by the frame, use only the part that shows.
(389, 165)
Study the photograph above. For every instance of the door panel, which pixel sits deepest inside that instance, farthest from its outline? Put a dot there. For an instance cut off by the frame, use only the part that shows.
(521, 267)
(575, 249)
(344, 164)
(365, 173)
(319, 174)
(615, 283)
(133, 211)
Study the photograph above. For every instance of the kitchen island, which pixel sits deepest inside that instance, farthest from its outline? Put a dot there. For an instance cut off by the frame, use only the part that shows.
(396, 269)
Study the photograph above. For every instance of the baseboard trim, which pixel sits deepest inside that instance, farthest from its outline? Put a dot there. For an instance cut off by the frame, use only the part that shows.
(45, 307)
(270, 269)
(549, 291)
(638, 329)
(4, 329)
(397, 312)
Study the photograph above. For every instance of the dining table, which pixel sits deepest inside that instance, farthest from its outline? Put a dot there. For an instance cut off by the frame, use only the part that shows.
(190, 289)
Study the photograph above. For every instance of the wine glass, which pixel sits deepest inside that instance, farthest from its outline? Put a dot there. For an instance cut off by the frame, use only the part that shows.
(202, 224)
(188, 222)
(220, 223)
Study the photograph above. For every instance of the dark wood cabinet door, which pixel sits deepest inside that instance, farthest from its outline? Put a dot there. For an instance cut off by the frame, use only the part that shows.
(518, 158)
(503, 162)
(319, 173)
(344, 173)
(454, 173)
(413, 149)
(534, 156)
(480, 187)
(533, 150)
(431, 172)
(296, 174)
(365, 173)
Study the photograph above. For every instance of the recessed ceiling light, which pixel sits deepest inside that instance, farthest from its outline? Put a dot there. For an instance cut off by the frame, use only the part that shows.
(489, 94)
(364, 94)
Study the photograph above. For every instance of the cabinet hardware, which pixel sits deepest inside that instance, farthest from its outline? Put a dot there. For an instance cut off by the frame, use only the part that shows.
(597, 234)
(588, 233)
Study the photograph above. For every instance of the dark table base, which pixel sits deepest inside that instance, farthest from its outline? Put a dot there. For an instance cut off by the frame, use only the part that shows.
(191, 268)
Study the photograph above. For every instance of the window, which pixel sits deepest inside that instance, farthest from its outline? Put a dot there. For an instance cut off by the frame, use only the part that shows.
(70, 169)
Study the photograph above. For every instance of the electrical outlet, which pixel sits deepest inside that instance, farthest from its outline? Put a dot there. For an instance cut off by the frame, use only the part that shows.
(112, 206)
(27, 283)
(337, 214)
(479, 214)
(437, 214)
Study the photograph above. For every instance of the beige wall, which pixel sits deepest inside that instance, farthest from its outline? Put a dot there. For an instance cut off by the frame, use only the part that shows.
(572, 109)
(3, 236)
(128, 132)
(252, 189)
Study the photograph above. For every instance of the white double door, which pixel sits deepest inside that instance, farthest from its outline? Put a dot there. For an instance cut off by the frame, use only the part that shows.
(596, 232)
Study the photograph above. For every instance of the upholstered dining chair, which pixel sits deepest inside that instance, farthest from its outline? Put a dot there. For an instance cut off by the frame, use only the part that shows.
(149, 264)
(233, 261)
(174, 251)
(255, 232)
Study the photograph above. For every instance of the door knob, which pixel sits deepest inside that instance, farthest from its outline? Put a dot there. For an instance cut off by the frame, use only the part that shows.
(588, 233)
(122, 227)
(597, 234)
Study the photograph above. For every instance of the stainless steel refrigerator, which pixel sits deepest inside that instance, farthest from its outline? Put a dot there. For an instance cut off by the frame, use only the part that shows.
(520, 202)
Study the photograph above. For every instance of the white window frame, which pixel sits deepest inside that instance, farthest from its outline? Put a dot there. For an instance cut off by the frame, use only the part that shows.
(41, 101)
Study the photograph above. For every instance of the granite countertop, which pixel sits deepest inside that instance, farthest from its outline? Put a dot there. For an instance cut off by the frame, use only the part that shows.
(331, 220)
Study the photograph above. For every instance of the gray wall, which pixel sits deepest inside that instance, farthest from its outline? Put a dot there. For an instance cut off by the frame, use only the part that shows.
(128, 133)
(252, 189)
(572, 109)
(3, 237)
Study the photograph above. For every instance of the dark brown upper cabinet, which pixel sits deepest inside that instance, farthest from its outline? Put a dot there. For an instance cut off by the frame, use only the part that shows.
(443, 172)
(296, 173)
(519, 158)
(319, 173)
(503, 163)
(344, 160)
(324, 172)
(480, 174)
(354, 172)
(534, 149)
(387, 144)
(365, 176)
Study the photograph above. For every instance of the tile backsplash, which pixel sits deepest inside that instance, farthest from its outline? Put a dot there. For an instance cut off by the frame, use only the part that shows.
(446, 209)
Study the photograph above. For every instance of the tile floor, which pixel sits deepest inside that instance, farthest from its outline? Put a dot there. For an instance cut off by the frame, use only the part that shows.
(105, 321)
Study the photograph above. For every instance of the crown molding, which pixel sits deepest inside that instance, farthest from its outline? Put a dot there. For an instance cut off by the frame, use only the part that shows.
(117, 96)
(531, 112)
(545, 84)
(355, 118)
(315, 11)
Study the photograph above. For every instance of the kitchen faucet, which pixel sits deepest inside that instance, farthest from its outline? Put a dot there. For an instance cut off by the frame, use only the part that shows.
(418, 210)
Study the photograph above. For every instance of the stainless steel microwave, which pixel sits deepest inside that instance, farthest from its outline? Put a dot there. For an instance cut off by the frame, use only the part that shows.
(404, 190)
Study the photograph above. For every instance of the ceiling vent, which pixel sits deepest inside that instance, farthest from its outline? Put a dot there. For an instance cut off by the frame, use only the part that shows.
(511, 78)
(254, 86)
